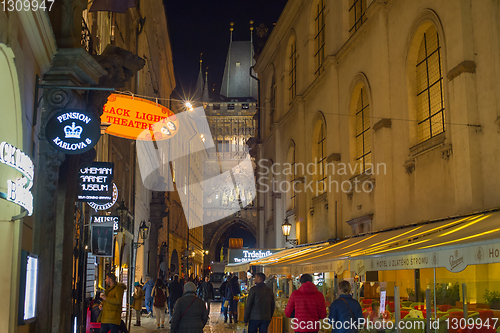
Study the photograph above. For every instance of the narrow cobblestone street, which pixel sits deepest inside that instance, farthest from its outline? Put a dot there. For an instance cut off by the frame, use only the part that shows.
(215, 324)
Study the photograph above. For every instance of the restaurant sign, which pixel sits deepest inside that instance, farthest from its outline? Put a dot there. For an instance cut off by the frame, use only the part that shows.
(244, 255)
(19, 190)
(453, 259)
(96, 182)
(138, 119)
(73, 131)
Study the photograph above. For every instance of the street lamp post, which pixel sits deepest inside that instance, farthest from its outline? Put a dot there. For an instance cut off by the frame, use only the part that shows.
(143, 234)
(286, 227)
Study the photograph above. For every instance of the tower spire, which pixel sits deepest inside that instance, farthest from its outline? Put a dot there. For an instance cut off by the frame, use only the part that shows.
(199, 82)
(205, 90)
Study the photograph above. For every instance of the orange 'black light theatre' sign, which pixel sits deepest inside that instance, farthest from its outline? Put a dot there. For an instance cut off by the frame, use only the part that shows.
(138, 119)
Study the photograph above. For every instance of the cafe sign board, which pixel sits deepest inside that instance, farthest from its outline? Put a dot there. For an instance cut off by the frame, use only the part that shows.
(236, 256)
(73, 131)
(96, 182)
(138, 119)
(454, 259)
(19, 190)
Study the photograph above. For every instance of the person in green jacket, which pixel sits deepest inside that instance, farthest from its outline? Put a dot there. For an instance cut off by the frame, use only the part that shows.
(110, 317)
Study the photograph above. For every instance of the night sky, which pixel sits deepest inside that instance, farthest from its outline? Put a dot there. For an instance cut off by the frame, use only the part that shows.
(203, 26)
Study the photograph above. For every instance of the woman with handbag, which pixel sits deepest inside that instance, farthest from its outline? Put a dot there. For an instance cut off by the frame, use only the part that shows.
(159, 300)
(232, 295)
(190, 314)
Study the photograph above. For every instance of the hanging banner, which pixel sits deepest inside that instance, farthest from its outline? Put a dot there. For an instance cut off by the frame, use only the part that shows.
(102, 239)
(96, 182)
(73, 131)
(138, 119)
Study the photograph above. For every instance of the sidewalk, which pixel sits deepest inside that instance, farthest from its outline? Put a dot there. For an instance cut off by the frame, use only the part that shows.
(215, 323)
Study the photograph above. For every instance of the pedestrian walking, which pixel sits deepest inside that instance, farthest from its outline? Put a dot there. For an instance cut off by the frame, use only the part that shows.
(306, 304)
(148, 288)
(111, 305)
(190, 313)
(260, 306)
(206, 292)
(225, 302)
(159, 302)
(232, 292)
(137, 305)
(344, 309)
(175, 292)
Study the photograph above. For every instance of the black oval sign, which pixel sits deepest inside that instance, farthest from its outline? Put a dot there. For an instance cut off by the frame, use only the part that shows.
(73, 131)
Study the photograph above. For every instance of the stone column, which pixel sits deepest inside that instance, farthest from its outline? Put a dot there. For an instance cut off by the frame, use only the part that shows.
(54, 193)
(157, 210)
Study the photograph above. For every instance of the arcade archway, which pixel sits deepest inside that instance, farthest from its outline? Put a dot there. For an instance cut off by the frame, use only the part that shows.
(236, 228)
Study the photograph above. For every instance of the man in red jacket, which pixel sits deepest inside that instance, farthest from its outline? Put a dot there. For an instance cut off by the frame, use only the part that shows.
(309, 306)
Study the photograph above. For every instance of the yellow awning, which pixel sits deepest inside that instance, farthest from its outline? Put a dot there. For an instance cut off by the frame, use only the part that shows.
(335, 257)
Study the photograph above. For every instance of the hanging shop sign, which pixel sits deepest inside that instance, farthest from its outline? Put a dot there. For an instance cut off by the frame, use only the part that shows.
(102, 239)
(244, 255)
(105, 219)
(138, 119)
(96, 183)
(107, 205)
(73, 131)
(19, 190)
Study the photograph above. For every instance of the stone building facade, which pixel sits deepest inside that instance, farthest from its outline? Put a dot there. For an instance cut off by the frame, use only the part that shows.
(398, 98)
(70, 46)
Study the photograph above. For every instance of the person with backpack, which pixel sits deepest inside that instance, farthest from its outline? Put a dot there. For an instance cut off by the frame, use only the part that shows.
(344, 309)
(232, 292)
(206, 292)
(190, 313)
(305, 305)
(222, 291)
(159, 294)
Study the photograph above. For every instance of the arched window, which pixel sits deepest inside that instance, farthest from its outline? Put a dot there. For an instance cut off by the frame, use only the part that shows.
(292, 74)
(319, 37)
(291, 177)
(430, 97)
(363, 135)
(319, 155)
(357, 9)
(272, 102)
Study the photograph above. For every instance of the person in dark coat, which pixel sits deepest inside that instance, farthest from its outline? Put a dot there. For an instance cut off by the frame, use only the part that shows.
(260, 306)
(233, 290)
(222, 291)
(175, 290)
(344, 309)
(206, 292)
(190, 313)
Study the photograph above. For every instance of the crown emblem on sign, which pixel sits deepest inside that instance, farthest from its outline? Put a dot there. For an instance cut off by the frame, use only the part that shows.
(73, 131)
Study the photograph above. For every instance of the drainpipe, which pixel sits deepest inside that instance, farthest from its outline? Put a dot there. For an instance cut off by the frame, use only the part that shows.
(258, 100)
